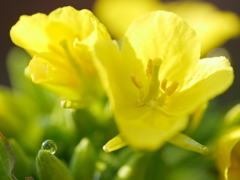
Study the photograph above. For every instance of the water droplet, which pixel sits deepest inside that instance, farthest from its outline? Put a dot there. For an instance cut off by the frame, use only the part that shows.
(49, 145)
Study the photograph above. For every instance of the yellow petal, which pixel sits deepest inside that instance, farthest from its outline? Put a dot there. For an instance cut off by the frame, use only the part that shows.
(29, 33)
(214, 27)
(147, 129)
(114, 72)
(163, 35)
(141, 127)
(83, 23)
(49, 68)
(78, 21)
(84, 47)
(211, 77)
(51, 71)
(61, 45)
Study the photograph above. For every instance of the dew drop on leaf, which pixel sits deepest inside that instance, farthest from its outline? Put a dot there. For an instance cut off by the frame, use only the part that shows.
(49, 145)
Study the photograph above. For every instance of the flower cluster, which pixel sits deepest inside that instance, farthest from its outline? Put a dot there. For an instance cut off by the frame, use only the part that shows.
(144, 91)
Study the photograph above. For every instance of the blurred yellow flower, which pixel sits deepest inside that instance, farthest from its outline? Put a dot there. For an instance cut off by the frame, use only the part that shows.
(228, 154)
(156, 80)
(227, 149)
(214, 27)
(60, 45)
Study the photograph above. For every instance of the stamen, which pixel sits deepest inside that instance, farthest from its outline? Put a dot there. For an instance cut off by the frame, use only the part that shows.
(149, 68)
(154, 82)
(135, 82)
(172, 88)
(164, 84)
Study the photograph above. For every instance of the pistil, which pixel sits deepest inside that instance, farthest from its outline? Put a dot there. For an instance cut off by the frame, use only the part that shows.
(154, 82)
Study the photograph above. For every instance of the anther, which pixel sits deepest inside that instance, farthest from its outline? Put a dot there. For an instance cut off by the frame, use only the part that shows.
(164, 84)
(149, 68)
(135, 82)
(172, 88)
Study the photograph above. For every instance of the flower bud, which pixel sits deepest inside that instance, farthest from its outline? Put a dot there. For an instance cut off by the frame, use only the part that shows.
(50, 167)
(82, 164)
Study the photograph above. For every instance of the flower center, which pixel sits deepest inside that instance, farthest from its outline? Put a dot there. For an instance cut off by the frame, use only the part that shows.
(155, 93)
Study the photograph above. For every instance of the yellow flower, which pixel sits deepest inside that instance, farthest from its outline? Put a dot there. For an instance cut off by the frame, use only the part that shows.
(60, 45)
(228, 156)
(214, 27)
(156, 80)
(227, 149)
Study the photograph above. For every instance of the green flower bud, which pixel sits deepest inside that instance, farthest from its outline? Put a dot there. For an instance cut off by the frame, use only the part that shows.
(50, 167)
(82, 164)
(135, 167)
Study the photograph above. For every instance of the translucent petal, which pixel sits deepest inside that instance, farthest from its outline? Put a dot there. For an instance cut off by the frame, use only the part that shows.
(79, 21)
(29, 33)
(166, 36)
(83, 23)
(147, 129)
(211, 77)
(114, 72)
(47, 68)
(39, 32)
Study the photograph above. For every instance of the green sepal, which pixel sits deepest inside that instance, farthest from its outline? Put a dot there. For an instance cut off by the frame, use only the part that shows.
(49, 167)
(114, 144)
(7, 160)
(82, 164)
(185, 142)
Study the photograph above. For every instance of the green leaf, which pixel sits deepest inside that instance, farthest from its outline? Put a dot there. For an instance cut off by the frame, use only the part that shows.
(7, 160)
(22, 167)
(10, 114)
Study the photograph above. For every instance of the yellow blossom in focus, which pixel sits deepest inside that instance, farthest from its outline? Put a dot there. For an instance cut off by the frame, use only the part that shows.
(60, 45)
(155, 79)
(214, 27)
